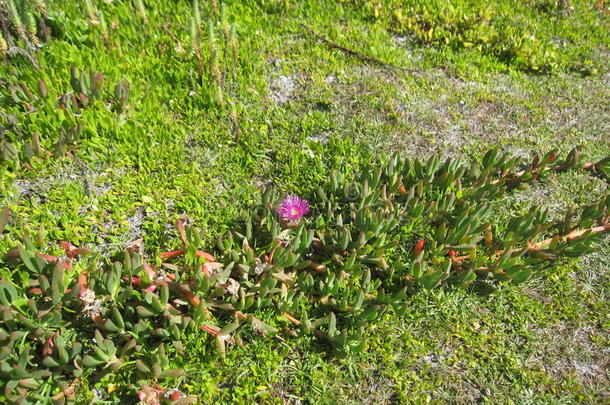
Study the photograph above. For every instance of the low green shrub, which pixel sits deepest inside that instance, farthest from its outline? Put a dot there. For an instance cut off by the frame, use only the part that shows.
(328, 268)
(60, 113)
(504, 30)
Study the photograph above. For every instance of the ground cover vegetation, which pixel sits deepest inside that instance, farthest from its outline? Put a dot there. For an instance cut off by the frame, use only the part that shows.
(155, 250)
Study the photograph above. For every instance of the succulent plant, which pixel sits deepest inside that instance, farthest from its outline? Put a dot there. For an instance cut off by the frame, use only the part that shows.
(19, 145)
(85, 86)
(361, 248)
(121, 95)
(24, 23)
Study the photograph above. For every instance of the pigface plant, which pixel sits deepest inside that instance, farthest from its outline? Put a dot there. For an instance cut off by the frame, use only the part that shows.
(328, 267)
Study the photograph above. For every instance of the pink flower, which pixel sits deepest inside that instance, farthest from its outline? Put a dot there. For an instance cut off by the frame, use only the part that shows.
(293, 208)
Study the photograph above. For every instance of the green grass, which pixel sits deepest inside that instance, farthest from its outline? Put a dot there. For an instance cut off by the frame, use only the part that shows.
(302, 109)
